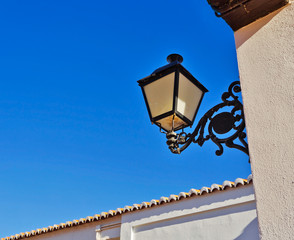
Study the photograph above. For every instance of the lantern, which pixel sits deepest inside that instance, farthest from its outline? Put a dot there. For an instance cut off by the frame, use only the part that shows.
(172, 95)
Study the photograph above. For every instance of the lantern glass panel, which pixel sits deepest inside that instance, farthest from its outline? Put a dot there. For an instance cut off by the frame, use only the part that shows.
(159, 95)
(167, 123)
(189, 97)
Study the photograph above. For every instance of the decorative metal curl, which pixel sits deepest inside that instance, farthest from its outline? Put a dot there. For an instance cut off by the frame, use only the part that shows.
(219, 124)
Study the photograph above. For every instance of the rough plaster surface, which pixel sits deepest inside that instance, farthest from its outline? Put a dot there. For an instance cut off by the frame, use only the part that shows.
(265, 51)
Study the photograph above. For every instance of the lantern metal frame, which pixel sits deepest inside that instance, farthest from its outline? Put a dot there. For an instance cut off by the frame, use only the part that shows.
(230, 124)
(173, 67)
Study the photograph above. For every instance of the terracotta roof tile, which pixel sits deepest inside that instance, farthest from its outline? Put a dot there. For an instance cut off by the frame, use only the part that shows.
(154, 202)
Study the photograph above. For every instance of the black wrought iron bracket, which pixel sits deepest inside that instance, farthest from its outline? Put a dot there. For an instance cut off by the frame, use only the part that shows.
(223, 128)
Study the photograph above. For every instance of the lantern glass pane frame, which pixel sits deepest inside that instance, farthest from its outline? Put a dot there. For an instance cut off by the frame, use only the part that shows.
(177, 69)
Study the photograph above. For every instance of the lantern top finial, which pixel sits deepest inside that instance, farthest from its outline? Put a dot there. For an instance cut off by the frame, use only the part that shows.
(174, 57)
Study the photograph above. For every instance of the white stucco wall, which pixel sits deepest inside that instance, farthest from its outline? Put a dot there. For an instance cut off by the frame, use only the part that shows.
(265, 51)
(86, 232)
(227, 215)
(109, 229)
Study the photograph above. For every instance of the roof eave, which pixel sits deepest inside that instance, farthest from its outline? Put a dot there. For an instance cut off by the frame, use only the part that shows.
(239, 13)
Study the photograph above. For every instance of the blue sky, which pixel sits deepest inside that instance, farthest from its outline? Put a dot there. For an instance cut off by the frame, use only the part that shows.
(75, 136)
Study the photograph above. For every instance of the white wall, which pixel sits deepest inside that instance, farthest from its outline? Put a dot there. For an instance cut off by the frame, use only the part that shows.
(85, 232)
(227, 215)
(265, 51)
(109, 229)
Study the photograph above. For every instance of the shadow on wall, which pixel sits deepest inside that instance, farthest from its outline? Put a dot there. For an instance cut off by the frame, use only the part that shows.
(248, 31)
(250, 231)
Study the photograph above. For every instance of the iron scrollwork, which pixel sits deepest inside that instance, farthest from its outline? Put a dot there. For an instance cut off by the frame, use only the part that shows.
(223, 128)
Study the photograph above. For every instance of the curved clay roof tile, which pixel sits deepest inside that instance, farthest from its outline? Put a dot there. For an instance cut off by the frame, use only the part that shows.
(216, 187)
(194, 192)
(249, 179)
(163, 200)
(154, 202)
(204, 190)
(240, 181)
(228, 184)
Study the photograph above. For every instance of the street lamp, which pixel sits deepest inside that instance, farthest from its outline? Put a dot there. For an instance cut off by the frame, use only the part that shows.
(173, 96)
